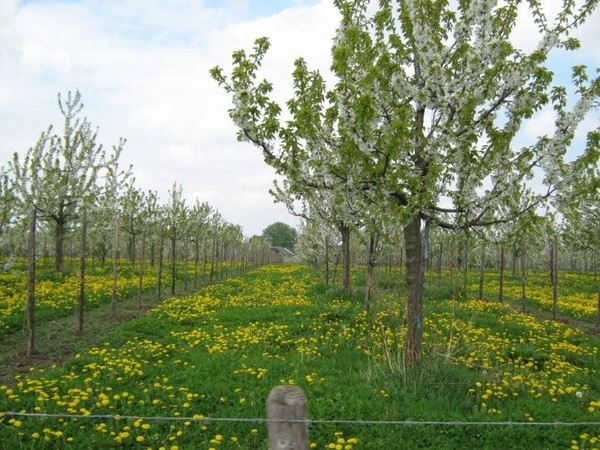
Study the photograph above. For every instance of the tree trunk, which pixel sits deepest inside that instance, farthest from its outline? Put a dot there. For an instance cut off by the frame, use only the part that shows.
(131, 247)
(223, 259)
(554, 275)
(415, 263)
(482, 271)
(515, 254)
(440, 256)
(370, 272)
(523, 279)
(453, 260)
(213, 257)
(217, 258)
(71, 258)
(326, 260)
(204, 260)
(31, 285)
(598, 311)
(113, 302)
(81, 300)
(594, 262)
(345, 232)
(59, 238)
(185, 260)
(142, 266)
(152, 253)
(501, 289)
(160, 265)
(336, 264)
(173, 256)
(196, 261)
(464, 293)
(46, 259)
(370, 284)
(102, 251)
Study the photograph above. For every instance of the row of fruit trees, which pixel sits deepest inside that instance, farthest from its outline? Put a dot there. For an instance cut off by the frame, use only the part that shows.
(420, 131)
(414, 151)
(67, 199)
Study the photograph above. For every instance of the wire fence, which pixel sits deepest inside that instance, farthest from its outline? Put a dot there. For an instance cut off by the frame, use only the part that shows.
(287, 420)
(206, 420)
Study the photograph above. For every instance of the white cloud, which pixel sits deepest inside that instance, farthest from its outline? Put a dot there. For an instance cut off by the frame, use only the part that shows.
(40, 59)
(540, 125)
(8, 9)
(526, 35)
(142, 68)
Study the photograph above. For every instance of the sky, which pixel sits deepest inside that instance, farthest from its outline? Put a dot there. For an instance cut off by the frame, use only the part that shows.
(142, 69)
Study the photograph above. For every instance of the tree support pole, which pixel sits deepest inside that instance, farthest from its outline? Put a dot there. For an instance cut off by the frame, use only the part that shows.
(31, 285)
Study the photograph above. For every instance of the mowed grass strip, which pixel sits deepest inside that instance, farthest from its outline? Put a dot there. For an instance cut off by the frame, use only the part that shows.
(218, 353)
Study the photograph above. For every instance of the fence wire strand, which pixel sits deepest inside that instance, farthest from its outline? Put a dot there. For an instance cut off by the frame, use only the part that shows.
(207, 420)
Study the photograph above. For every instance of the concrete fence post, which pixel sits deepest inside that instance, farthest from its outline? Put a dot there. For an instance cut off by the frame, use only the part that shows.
(287, 421)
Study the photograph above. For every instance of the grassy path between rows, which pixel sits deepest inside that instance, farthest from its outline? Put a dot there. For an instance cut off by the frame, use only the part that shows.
(57, 339)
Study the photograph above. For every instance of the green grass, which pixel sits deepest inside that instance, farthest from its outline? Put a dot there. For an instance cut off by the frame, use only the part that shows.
(219, 352)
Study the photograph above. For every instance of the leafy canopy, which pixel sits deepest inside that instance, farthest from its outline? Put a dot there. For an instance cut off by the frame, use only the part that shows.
(279, 234)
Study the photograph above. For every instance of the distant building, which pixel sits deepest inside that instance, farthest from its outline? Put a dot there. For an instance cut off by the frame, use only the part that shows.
(283, 255)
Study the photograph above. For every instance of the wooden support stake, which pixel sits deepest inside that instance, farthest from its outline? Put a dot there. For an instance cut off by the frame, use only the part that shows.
(554, 275)
(287, 422)
(81, 298)
(31, 284)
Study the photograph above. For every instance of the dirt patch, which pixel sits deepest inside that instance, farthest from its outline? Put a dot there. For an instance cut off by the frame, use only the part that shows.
(119, 318)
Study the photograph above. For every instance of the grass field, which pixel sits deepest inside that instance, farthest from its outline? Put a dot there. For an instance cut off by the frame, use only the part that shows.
(56, 295)
(156, 381)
